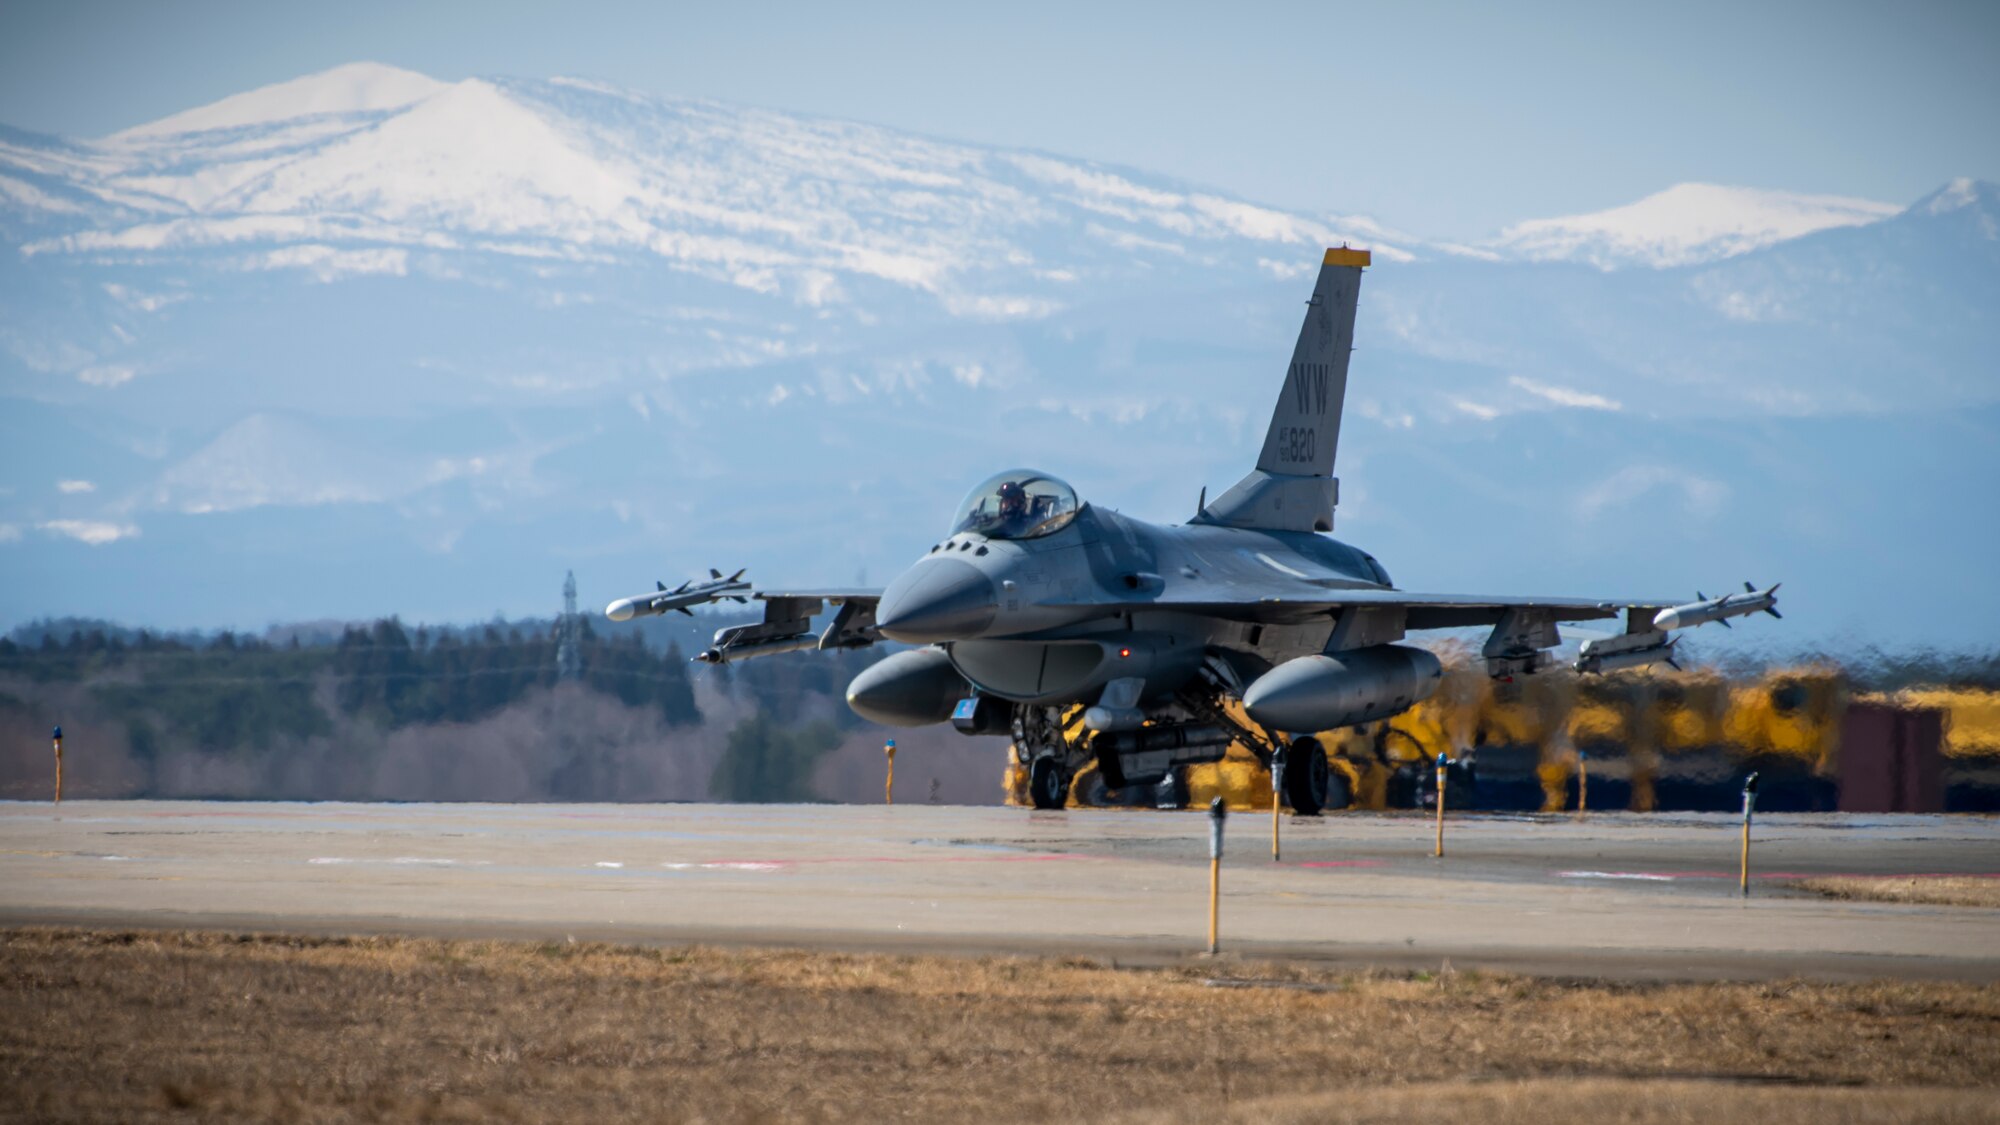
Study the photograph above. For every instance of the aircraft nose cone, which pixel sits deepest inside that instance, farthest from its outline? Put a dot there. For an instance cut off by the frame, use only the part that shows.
(940, 600)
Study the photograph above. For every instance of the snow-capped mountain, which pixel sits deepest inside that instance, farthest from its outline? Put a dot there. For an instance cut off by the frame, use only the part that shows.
(354, 90)
(366, 169)
(1687, 224)
(367, 341)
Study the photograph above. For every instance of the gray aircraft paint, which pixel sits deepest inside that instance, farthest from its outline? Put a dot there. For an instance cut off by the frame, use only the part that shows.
(1305, 428)
(1156, 626)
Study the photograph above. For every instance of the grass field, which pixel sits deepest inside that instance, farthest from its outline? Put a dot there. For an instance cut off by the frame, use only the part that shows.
(143, 1026)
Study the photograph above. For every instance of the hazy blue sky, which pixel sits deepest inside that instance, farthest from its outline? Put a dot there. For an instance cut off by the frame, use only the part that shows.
(1447, 120)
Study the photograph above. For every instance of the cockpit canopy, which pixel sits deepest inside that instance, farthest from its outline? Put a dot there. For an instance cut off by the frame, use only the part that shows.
(1017, 504)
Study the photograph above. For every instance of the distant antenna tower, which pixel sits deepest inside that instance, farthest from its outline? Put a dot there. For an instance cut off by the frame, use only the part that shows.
(569, 633)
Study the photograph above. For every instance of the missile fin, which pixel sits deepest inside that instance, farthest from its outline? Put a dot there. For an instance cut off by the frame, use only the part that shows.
(1749, 589)
(738, 576)
(1724, 622)
(685, 610)
(659, 585)
(714, 573)
(1774, 613)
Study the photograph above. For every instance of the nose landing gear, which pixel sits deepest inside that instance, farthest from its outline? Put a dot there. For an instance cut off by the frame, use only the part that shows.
(1050, 744)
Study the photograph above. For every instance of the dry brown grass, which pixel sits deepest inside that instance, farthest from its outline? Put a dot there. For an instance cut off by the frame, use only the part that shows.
(1928, 890)
(133, 1026)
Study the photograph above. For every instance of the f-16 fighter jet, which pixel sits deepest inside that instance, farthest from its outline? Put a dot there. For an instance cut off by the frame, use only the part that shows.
(1036, 603)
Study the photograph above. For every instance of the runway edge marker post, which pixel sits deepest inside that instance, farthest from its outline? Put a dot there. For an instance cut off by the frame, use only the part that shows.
(1749, 805)
(58, 742)
(889, 783)
(1442, 762)
(1582, 782)
(1277, 796)
(1216, 813)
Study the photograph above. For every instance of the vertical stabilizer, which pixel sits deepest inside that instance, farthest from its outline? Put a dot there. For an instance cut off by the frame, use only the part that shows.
(1305, 428)
(1292, 488)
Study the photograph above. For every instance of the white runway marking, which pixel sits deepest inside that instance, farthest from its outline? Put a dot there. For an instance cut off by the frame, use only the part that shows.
(730, 865)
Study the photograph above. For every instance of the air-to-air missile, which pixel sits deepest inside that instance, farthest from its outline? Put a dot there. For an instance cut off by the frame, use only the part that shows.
(1634, 650)
(663, 600)
(1720, 608)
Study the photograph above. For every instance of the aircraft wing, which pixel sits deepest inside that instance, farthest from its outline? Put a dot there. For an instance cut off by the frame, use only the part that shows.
(1422, 611)
(1524, 626)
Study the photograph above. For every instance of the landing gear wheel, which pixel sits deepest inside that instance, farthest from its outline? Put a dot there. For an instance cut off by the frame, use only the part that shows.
(1107, 761)
(1306, 781)
(1047, 786)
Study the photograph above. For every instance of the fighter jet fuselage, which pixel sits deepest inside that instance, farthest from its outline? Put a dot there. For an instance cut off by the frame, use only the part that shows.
(1089, 636)
(1150, 591)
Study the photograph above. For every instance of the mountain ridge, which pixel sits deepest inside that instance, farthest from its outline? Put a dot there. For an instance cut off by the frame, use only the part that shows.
(370, 359)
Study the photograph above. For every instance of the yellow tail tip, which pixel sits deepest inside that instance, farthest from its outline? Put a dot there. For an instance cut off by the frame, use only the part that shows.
(1342, 256)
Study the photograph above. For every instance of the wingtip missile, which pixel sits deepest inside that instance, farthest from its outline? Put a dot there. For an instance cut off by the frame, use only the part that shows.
(1719, 609)
(689, 593)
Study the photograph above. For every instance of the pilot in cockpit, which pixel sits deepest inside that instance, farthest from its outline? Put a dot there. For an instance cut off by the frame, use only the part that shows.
(1013, 507)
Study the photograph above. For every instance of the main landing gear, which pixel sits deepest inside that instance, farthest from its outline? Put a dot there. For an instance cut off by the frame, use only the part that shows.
(1050, 744)
(1047, 787)
(1306, 777)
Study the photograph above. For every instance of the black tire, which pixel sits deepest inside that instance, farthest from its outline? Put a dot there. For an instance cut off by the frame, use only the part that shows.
(1047, 787)
(1107, 762)
(1306, 780)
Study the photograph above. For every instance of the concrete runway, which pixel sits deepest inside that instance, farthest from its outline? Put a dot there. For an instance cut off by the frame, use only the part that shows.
(1616, 895)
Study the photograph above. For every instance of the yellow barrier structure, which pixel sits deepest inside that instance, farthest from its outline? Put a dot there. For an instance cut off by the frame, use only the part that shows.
(1647, 736)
